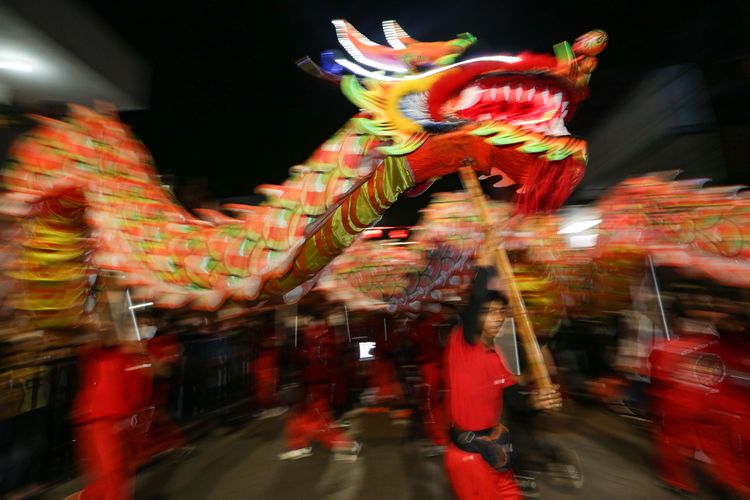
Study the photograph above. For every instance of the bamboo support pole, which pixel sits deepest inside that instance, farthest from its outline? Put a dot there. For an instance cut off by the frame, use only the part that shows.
(537, 367)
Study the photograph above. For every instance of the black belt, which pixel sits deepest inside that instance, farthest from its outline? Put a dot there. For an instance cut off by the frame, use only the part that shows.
(495, 452)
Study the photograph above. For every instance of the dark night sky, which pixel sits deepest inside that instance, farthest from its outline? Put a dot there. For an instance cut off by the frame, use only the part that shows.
(229, 105)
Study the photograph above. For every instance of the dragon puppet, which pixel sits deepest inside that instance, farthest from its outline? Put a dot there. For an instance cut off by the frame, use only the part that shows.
(83, 196)
(435, 266)
(700, 232)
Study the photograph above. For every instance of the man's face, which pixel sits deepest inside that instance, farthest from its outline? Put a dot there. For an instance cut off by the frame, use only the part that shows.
(492, 318)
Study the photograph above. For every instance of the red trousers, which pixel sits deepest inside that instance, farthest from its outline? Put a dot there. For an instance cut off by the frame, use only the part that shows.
(433, 414)
(104, 449)
(473, 478)
(158, 431)
(676, 443)
(385, 379)
(266, 369)
(314, 422)
(729, 466)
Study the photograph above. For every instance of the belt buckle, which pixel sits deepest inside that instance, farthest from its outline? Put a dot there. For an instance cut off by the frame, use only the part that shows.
(469, 437)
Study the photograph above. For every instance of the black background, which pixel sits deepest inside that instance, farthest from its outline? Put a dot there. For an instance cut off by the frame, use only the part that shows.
(228, 104)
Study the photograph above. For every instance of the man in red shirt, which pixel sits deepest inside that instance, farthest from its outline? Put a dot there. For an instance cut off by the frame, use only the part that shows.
(478, 381)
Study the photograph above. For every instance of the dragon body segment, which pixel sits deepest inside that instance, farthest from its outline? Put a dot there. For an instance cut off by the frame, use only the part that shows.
(78, 217)
(702, 232)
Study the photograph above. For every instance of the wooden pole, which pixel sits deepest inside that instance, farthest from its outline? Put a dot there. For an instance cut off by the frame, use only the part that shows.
(537, 368)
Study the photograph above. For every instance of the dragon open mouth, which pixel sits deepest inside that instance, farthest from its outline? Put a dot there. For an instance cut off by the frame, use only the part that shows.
(532, 102)
(537, 106)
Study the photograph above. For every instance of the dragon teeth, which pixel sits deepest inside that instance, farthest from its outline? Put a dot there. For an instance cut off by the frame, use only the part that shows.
(475, 94)
(469, 97)
(557, 127)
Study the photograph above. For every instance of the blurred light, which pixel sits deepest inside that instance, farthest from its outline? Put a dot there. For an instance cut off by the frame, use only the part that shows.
(365, 350)
(15, 65)
(580, 226)
(359, 70)
(398, 234)
(396, 243)
(373, 233)
(141, 306)
(582, 240)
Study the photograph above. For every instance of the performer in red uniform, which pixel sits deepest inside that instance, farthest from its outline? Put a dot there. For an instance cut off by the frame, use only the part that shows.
(731, 407)
(384, 378)
(700, 406)
(478, 381)
(115, 386)
(266, 369)
(429, 356)
(163, 433)
(313, 420)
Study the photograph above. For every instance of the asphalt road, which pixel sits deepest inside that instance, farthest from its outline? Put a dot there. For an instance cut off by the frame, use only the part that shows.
(239, 461)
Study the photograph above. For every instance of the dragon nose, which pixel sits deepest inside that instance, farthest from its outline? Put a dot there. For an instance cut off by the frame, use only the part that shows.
(591, 44)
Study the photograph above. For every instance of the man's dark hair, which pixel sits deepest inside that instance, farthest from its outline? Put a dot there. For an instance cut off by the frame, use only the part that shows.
(495, 296)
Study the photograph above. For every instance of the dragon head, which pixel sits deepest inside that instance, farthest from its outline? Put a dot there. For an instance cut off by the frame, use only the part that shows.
(506, 114)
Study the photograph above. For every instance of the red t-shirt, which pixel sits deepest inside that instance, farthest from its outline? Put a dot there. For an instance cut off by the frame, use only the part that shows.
(475, 377)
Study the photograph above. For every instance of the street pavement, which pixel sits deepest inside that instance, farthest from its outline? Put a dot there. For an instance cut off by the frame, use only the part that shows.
(239, 461)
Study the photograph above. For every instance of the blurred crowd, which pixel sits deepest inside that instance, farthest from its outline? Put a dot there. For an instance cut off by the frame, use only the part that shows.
(100, 404)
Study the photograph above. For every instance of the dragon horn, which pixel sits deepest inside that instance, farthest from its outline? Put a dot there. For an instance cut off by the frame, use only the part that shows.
(365, 51)
(348, 33)
(405, 54)
(396, 36)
